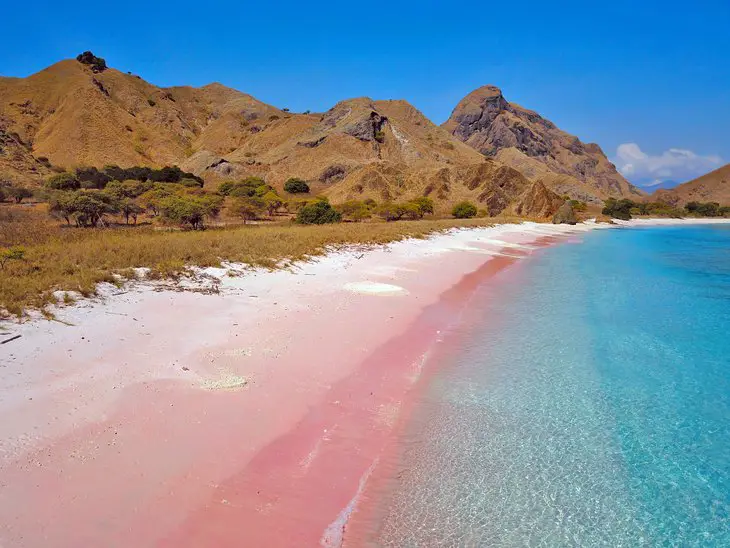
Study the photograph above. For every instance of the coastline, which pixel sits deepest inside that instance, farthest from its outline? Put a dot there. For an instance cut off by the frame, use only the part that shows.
(161, 417)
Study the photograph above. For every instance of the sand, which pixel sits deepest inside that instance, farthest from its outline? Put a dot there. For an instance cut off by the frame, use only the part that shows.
(243, 417)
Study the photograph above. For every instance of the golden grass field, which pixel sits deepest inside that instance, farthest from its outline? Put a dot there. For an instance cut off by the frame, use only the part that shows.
(77, 259)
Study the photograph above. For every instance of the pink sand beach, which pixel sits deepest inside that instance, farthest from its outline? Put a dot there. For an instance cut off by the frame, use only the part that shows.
(253, 416)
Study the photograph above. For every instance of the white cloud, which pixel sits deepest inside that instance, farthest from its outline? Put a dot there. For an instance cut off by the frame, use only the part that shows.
(675, 164)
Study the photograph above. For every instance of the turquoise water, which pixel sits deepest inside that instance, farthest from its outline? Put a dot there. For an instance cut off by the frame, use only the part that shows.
(587, 403)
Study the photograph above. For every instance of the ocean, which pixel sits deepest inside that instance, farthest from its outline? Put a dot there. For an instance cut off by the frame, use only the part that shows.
(584, 400)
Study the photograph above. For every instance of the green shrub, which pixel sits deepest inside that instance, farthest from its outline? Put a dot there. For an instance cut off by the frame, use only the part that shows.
(464, 210)
(63, 181)
(618, 209)
(577, 205)
(295, 185)
(703, 209)
(318, 212)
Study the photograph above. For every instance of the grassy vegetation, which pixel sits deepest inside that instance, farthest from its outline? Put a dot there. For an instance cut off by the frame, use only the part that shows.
(77, 259)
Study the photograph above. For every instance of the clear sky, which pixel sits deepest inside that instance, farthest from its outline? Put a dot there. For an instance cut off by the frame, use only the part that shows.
(652, 75)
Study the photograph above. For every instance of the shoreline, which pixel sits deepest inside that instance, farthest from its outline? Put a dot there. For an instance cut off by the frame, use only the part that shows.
(160, 417)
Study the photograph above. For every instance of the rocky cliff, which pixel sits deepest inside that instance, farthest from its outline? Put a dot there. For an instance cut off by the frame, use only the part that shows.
(522, 138)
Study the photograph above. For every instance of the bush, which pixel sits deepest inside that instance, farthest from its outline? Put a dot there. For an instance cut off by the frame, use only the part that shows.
(63, 181)
(577, 205)
(618, 209)
(703, 209)
(18, 193)
(167, 174)
(91, 175)
(464, 210)
(318, 212)
(296, 186)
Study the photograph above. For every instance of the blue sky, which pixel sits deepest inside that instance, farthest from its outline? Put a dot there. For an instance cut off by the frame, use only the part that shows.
(651, 75)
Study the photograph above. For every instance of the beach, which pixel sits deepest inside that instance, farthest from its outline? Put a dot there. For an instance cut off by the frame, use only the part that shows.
(247, 409)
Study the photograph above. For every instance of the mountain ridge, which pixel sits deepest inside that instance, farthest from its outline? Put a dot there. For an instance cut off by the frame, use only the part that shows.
(74, 114)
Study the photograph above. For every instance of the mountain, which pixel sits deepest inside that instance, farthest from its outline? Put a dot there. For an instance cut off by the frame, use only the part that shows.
(81, 113)
(523, 139)
(711, 187)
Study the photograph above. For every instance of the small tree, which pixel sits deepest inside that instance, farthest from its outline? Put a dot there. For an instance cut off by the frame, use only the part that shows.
(129, 210)
(19, 193)
(272, 201)
(354, 210)
(390, 211)
(16, 253)
(296, 186)
(151, 199)
(248, 207)
(424, 205)
(318, 212)
(464, 210)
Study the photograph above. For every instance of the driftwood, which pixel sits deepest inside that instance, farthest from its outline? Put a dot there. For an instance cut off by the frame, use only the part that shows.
(10, 339)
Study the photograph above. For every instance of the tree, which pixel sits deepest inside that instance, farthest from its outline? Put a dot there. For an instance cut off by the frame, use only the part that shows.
(295, 185)
(190, 210)
(63, 181)
(151, 199)
(318, 212)
(15, 253)
(129, 209)
(464, 210)
(19, 193)
(354, 210)
(424, 205)
(248, 207)
(390, 211)
(272, 201)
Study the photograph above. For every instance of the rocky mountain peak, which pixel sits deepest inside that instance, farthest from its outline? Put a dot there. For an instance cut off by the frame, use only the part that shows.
(486, 121)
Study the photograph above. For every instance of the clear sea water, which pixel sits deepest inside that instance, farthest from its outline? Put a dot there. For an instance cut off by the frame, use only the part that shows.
(587, 403)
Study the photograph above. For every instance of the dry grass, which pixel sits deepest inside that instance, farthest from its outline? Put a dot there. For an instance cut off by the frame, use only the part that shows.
(78, 259)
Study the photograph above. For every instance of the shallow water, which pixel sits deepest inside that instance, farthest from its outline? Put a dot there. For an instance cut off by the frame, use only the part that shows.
(586, 403)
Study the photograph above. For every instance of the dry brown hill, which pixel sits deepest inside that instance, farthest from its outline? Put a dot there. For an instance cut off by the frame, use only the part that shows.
(76, 115)
(523, 139)
(711, 187)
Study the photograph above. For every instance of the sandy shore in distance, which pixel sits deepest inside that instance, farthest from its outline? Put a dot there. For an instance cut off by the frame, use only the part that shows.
(250, 416)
